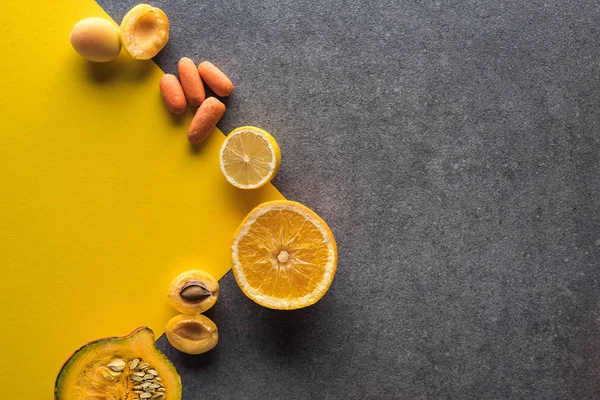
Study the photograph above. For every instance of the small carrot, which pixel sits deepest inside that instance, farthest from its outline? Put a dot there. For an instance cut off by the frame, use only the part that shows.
(191, 82)
(216, 80)
(207, 116)
(172, 93)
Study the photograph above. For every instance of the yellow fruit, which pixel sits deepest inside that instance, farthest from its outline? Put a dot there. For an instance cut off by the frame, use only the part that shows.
(284, 255)
(96, 39)
(192, 334)
(193, 292)
(144, 31)
(250, 157)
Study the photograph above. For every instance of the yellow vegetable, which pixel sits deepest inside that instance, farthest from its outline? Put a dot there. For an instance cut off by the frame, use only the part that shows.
(115, 367)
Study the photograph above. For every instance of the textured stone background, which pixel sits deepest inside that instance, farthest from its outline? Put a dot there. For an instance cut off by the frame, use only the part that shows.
(453, 148)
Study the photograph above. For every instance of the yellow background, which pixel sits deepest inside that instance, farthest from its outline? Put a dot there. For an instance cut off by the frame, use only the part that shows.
(102, 200)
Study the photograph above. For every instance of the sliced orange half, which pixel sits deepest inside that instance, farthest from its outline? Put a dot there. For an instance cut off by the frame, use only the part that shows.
(250, 157)
(284, 255)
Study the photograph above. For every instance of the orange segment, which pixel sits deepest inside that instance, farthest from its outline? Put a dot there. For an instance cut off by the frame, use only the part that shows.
(284, 255)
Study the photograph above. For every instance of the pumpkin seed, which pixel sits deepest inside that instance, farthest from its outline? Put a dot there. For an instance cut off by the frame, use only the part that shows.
(153, 372)
(143, 365)
(107, 374)
(136, 378)
(158, 396)
(155, 386)
(134, 363)
(117, 365)
(158, 378)
(148, 376)
(145, 396)
(140, 374)
(162, 389)
(112, 373)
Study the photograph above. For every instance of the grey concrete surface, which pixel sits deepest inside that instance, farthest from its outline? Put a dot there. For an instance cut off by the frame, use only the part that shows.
(453, 147)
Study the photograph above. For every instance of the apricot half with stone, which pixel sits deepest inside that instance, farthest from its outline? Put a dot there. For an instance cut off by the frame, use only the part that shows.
(192, 334)
(193, 292)
(144, 31)
(128, 367)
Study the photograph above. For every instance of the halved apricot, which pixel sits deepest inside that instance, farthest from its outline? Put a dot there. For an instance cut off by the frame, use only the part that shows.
(144, 31)
(193, 292)
(192, 334)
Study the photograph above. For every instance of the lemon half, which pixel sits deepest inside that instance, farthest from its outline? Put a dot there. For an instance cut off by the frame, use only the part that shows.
(250, 157)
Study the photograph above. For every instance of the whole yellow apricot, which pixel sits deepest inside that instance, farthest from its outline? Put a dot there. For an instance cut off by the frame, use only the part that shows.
(144, 31)
(96, 39)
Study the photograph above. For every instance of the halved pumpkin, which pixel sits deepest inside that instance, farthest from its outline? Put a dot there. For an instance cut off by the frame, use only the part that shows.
(121, 368)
